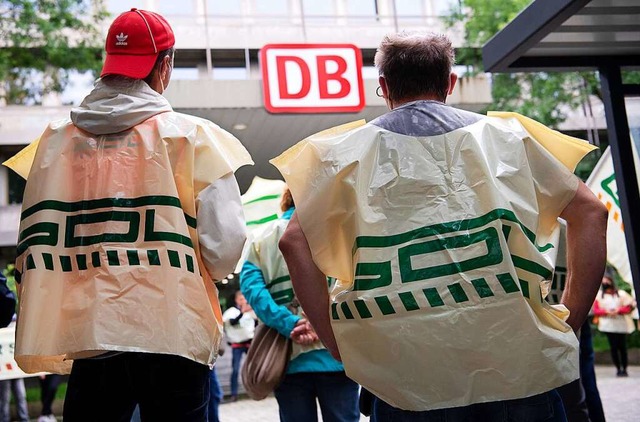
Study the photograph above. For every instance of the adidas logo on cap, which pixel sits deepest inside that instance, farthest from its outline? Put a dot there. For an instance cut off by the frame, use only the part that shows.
(122, 39)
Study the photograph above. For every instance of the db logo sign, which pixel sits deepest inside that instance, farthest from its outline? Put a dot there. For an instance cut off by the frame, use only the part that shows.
(312, 78)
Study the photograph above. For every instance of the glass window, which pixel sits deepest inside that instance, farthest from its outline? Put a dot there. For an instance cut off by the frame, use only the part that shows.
(444, 7)
(168, 7)
(184, 73)
(229, 73)
(224, 7)
(271, 7)
(115, 7)
(409, 7)
(361, 7)
(318, 8)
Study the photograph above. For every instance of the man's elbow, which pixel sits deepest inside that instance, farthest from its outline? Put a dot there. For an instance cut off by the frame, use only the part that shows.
(292, 240)
(597, 214)
(286, 243)
(586, 210)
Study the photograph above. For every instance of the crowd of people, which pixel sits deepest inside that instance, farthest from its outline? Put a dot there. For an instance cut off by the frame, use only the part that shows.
(408, 267)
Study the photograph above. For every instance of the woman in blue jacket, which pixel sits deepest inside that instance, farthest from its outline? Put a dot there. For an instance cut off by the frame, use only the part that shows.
(312, 373)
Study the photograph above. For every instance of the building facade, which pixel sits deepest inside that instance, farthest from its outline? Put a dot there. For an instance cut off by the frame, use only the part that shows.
(218, 75)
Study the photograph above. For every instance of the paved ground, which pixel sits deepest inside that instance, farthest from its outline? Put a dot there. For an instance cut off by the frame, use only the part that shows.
(620, 397)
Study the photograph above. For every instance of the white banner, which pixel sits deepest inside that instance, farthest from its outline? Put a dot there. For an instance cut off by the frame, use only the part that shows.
(261, 205)
(8, 367)
(603, 184)
(261, 202)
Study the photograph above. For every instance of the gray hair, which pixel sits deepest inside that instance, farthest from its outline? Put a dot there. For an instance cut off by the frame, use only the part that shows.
(415, 63)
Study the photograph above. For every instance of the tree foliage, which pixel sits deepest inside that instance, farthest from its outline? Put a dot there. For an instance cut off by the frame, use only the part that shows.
(545, 96)
(41, 41)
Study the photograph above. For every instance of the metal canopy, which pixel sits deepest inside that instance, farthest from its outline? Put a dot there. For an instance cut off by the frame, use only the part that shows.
(567, 35)
(576, 35)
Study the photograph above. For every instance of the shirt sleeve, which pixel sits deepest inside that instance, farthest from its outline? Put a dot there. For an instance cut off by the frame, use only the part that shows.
(221, 226)
(230, 314)
(254, 289)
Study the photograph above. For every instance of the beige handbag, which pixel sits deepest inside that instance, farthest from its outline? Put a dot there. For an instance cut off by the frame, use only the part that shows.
(266, 362)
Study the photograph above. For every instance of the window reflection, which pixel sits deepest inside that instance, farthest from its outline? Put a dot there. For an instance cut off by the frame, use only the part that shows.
(271, 7)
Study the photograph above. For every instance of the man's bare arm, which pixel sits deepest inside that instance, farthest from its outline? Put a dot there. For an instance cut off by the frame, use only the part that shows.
(586, 219)
(309, 283)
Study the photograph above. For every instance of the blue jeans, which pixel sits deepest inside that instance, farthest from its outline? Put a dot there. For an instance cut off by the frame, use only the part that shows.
(236, 358)
(337, 395)
(215, 396)
(19, 394)
(543, 407)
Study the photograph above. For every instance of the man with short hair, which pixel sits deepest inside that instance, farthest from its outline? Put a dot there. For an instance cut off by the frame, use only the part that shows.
(131, 210)
(441, 228)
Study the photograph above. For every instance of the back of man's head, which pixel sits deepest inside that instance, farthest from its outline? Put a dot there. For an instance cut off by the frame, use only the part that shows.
(415, 64)
(136, 42)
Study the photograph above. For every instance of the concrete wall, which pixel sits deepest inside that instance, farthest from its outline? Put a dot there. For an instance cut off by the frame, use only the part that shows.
(470, 93)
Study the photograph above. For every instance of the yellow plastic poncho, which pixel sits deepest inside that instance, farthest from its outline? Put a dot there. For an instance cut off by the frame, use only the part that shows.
(109, 253)
(441, 245)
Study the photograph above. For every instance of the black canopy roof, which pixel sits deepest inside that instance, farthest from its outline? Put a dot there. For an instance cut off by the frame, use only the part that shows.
(575, 35)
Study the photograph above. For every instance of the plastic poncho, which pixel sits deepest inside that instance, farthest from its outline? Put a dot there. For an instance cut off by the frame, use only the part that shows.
(111, 254)
(441, 228)
(265, 268)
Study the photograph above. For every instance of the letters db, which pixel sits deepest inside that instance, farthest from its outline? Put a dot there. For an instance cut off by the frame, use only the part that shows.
(312, 78)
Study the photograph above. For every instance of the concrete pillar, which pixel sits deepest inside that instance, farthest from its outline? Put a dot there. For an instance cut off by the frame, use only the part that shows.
(4, 186)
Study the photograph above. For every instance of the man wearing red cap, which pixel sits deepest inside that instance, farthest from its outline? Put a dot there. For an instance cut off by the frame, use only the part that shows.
(130, 212)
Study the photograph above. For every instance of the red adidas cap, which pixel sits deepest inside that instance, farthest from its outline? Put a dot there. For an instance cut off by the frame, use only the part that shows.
(134, 40)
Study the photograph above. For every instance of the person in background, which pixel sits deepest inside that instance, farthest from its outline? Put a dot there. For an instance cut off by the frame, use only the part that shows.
(48, 387)
(613, 308)
(15, 386)
(239, 326)
(7, 302)
(312, 374)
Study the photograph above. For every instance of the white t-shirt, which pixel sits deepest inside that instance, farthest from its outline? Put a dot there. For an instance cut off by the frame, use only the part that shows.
(241, 332)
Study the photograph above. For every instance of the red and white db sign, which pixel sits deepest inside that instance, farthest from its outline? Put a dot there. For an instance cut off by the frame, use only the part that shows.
(312, 78)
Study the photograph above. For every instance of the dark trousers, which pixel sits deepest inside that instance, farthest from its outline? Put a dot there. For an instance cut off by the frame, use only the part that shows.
(166, 387)
(588, 375)
(618, 344)
(543, 407)
(48, 387)
(574, 402)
